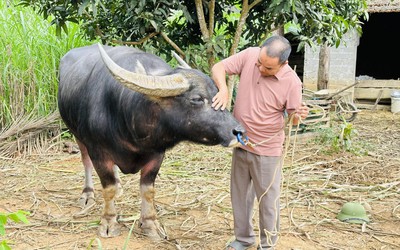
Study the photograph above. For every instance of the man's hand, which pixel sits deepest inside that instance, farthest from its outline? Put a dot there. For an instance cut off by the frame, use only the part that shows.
(302, 111)
(220, 100)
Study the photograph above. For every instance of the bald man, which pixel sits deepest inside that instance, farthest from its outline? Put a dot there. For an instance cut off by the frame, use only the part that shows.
(268, 90)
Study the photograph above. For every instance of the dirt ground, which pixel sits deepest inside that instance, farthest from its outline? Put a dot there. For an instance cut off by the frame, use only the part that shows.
(192, 196)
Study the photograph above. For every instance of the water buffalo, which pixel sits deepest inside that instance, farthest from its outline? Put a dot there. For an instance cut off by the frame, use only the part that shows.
(125, 107)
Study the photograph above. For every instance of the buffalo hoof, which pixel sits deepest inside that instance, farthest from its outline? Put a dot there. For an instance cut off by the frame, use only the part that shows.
(109, 228)
(86, 202)
(70, 148)
(153, 230)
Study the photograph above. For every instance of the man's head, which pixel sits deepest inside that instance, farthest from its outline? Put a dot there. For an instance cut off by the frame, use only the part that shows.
(274, 54)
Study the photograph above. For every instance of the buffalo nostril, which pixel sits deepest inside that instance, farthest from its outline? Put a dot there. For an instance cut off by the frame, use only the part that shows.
(238, 130)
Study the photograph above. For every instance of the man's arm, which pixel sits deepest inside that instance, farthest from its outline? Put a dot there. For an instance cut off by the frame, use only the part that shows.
(220, 100)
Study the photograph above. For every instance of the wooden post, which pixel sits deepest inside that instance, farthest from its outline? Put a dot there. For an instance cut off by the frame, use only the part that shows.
(323, 67)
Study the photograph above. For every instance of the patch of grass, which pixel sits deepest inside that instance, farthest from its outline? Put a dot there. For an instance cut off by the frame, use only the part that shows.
(29, 56)
(339, 138)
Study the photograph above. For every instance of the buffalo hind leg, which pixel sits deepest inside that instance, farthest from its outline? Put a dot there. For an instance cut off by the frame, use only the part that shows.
(86, 201)
(148, 219)
(120, 190)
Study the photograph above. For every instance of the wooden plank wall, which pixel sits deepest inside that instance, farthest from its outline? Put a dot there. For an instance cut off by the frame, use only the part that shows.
(375, 94)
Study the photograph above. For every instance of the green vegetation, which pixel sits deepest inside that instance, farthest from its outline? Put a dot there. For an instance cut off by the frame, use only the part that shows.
(201, 33)
(17, 217)
(212, 24)
(339, 138)
(29, 57)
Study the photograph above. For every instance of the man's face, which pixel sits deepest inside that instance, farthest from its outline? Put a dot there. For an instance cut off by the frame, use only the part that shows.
(268, 66)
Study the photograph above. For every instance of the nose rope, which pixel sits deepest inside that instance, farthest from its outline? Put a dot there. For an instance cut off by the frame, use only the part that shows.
(245, 141)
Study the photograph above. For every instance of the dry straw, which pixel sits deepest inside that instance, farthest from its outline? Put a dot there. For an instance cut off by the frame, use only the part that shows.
(192, 195)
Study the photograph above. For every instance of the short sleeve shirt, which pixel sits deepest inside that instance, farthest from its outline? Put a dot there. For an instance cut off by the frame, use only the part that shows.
(261, 101)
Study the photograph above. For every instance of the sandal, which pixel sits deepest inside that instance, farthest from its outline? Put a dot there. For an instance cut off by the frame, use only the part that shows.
(263, 248)
(237, 245)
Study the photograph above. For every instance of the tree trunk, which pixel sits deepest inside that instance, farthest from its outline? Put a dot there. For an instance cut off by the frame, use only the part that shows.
(208, 32)
(246, 7)
(279, 31)
(323, 68)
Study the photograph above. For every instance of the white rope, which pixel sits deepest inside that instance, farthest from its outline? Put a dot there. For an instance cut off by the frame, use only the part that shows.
(320, 118)
(274, 232)
(270, 234)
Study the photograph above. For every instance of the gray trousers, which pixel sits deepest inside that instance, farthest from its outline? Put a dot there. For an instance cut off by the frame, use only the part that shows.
(251, 176)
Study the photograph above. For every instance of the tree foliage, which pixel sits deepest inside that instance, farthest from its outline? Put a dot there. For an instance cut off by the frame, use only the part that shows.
(326, 21)
(110, 20)
(205, 30)
(155, 21)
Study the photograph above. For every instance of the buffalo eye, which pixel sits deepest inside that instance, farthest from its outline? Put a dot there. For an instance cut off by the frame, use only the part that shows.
(197, 100)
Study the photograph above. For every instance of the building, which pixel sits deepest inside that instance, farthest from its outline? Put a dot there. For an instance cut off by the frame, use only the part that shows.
(371, 59)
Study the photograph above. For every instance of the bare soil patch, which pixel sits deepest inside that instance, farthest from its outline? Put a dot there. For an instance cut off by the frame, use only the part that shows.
(193, 202)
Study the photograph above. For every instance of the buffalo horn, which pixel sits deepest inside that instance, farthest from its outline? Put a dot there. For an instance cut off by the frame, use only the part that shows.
(181, 61)
(159, 86)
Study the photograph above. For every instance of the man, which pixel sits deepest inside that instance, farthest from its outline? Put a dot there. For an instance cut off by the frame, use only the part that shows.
(268, 89)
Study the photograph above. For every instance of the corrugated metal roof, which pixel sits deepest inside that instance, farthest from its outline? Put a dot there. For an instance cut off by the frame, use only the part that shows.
(383, 5)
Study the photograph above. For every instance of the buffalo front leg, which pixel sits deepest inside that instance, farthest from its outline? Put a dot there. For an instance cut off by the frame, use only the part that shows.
(109, 226)
(148, 219)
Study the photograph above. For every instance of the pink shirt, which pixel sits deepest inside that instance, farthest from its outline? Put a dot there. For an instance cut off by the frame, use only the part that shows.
(261, 101)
